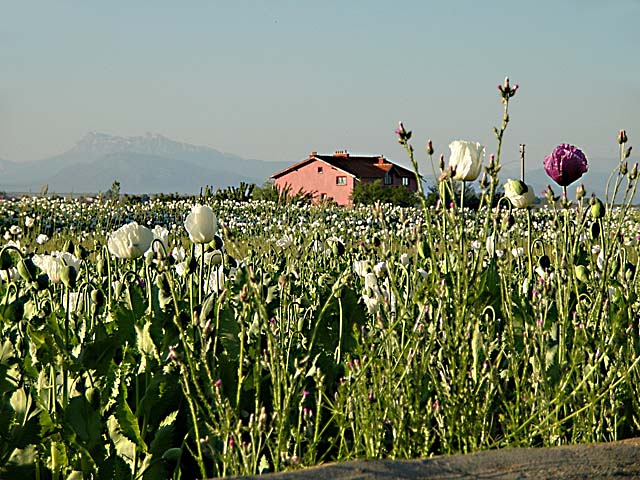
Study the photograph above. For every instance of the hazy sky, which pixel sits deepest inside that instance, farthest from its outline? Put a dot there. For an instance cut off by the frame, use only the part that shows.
(275, 80)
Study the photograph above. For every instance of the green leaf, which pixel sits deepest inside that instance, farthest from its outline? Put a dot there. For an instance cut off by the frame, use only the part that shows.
(21, 404)
(125, 448)
(128, 423)
(229, 332)
(59, 459)
(163, 438)
(97, 355)
(85, 421)
(114, 467)
(136, 301)
(21, 465)
(124, 321)
(146, 347)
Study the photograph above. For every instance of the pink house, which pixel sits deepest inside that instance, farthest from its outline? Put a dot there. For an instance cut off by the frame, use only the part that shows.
(334, 176)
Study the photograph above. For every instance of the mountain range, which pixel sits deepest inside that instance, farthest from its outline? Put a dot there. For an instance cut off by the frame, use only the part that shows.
(153, 163)
(149, 163)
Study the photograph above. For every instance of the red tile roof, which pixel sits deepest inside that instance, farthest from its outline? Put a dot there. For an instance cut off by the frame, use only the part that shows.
(359, 166)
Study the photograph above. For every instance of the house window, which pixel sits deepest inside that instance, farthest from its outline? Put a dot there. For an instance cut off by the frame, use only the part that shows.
(323, 196)
(319, 169)
(341, 180)
(405, 181)
(387, 179)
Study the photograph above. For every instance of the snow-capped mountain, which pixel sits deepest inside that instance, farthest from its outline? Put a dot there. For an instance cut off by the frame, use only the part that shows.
(97, 143)
(142, 164)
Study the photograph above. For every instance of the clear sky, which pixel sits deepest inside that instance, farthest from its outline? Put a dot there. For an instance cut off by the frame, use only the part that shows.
(275, 80)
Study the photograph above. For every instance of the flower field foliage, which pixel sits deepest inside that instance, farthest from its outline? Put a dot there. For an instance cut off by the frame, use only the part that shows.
(192, 339)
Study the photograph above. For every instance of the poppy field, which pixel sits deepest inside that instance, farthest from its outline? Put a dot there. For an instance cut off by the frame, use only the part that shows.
(198, 338)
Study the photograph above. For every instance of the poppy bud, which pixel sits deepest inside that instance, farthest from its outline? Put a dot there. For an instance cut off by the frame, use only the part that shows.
(582, 273)
(6, 262)
(80, 252)
(337, 248)
(68, 246)
(634, 172)
(624, 168)
(580, 192)
(101, 265)
(429, 148)
(627, 152)
(629, 271)
(549, 194)
(148, 258)
(216, 258)
(544, 262)
(172, 455)
(42, 282)
(508, 221)
(484, 181)
(69, 275)
(93, 397)
(191, 263)
(217, 243)
(403, 134)
(423, 249)
(117, 288)
(97, 297)
(597, 208)
(27, 269)
(622, 137)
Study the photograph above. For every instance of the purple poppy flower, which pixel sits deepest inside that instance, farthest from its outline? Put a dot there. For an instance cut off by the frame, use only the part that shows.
(565, 164)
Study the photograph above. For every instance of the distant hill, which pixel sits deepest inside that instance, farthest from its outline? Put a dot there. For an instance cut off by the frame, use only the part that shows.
(144, 164)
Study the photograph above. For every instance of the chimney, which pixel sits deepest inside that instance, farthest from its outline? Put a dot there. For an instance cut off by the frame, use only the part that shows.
(381, 160)
(341, 153)
(313, 154)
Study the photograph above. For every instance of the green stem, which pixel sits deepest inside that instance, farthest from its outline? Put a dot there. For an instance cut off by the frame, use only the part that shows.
(65, 376)
(529, 252)
(201, 274)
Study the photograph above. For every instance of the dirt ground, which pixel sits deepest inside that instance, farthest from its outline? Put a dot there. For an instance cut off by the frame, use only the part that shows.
(596, 461)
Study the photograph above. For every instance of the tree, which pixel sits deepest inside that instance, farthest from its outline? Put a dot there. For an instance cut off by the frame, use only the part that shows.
(114, 192)
(283, 196)
(370, 193)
